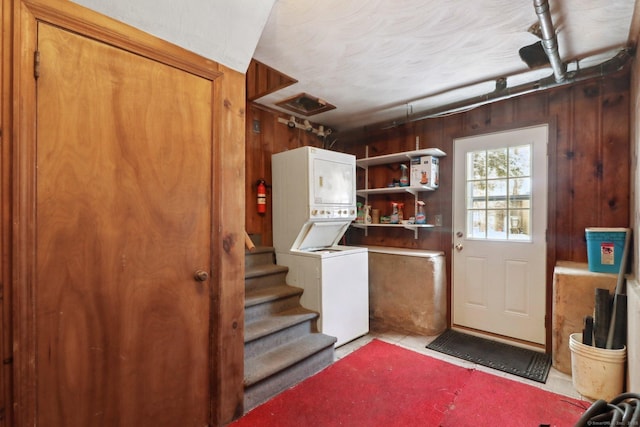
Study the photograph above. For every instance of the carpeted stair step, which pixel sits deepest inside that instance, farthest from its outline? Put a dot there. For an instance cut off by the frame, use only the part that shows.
(278, 329)
(264, 276)
(258, 256)
(260, 303)
(284, 366)
(282, 345)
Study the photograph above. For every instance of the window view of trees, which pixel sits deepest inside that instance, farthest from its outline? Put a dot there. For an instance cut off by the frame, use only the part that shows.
(499, 193)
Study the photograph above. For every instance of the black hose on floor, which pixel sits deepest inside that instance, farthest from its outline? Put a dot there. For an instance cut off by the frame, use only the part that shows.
(622, 410)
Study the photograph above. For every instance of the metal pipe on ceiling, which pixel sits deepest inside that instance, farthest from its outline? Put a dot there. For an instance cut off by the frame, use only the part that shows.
(560, 76)
(612, 65)
(549, 38)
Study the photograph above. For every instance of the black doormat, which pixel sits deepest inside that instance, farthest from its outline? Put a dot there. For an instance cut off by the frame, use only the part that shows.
(519, 361)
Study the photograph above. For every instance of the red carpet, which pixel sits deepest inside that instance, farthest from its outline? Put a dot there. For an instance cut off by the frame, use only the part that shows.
(381, 384)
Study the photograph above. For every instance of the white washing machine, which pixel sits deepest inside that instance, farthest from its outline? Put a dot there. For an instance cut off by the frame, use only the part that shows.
(314, 202)
(336, 285)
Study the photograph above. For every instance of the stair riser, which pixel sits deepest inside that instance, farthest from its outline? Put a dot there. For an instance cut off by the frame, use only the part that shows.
(271, 359)
(283, 336)
(260, 311)
(266, 389)
(266, 281)
(252, 259)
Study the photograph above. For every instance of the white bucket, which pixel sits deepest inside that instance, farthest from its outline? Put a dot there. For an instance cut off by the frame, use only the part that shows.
(597, 373)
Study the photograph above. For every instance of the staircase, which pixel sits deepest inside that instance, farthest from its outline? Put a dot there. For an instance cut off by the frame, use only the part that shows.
(282, 345)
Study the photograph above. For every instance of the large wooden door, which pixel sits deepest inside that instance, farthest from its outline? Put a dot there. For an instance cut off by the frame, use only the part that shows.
(123, 223)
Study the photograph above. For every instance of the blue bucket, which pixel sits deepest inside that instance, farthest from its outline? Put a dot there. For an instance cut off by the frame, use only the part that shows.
(605, 247)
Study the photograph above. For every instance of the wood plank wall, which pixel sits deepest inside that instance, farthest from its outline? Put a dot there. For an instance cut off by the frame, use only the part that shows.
(588, 160)
(589, 163)
(266, 136)
(6, 136)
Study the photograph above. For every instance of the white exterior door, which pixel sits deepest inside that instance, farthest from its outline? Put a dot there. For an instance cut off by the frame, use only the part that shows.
(499, 228)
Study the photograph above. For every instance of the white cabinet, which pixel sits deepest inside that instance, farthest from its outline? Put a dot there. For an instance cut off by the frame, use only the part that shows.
(401, 157)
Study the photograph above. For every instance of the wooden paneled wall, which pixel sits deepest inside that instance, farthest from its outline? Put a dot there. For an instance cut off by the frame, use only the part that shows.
(589, 162)
(6, 336)
(589, 165)
(266, 136)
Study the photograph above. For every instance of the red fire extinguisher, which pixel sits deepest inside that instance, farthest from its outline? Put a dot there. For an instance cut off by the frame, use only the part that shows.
(262, 197)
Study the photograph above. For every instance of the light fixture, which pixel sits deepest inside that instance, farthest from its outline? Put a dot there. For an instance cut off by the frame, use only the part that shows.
(307, 126)
(322, 132)
(292, 123)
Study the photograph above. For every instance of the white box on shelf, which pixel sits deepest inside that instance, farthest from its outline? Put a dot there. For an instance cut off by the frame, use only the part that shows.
(425, 171)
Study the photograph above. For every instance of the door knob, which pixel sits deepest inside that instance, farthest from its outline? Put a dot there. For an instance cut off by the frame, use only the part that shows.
(201, 275)
(459, 247)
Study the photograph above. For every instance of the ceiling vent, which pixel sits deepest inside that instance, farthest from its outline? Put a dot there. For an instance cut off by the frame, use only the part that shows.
(306, 105)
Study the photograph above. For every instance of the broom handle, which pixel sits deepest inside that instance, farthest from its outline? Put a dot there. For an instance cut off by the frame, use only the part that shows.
(623, 268)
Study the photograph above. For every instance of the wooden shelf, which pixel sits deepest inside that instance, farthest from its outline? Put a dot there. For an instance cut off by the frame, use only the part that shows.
(398, 157)
(407, 226)
(404, 156)
(389, 190)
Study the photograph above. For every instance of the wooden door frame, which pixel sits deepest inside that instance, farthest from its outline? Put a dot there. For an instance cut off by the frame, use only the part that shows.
(20, 20)
(6, 336)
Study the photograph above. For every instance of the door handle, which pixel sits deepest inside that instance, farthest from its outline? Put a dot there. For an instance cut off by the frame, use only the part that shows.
(459, 247)
(201, 275)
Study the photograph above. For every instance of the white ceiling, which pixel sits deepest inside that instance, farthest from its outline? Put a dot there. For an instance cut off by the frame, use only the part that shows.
(379, 60)
(225, 31)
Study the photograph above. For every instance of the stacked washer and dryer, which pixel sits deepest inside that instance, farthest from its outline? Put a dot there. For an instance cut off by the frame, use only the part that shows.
(314, 202)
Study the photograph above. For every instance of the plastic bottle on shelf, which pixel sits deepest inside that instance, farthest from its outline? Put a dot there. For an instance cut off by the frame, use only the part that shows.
(360, 213)
(404, 179)
(420, 216)
(367, 214)
(395, 219)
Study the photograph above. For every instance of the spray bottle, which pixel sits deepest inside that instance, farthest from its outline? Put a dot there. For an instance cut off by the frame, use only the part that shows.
(394, 213)
(360, 213)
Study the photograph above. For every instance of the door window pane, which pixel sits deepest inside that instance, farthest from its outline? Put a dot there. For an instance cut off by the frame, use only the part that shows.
(520, 161)
(496, 224)
(497, 163)
(499, 193)
(476, 224)
(477, 165)
(477, 191)
(519, 224)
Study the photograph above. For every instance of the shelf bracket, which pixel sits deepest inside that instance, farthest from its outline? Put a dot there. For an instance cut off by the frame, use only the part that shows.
(415, 230)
